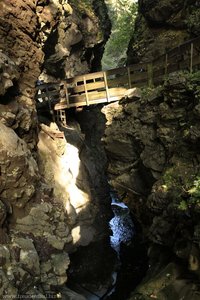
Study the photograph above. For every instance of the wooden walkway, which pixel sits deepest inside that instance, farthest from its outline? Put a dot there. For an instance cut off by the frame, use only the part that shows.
(111, 85)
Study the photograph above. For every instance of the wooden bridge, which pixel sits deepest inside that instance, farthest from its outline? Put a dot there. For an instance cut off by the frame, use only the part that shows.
(111, 85)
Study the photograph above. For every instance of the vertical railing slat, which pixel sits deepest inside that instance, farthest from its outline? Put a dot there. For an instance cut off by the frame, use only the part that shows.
(67, 94)
(129, 77)
(106, 86)
(191, 57)
(166, 63)
(86, 92)
(150, 74)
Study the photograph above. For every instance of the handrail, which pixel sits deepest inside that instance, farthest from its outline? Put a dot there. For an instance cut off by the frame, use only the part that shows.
(110, 85)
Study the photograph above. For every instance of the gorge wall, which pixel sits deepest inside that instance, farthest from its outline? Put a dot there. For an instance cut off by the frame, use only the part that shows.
(162, 25)
(152, 141)
(53, 190)
(152, 144)
(48, 201)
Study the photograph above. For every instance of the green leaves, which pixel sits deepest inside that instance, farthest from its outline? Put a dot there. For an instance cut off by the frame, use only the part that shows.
(122, 14)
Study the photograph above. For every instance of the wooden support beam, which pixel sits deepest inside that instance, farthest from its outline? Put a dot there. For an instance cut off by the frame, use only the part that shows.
(129, 77)
(66, 93)
(150, 74)
(166, 64)
(106, 86)
(191, 57)
(86, 92)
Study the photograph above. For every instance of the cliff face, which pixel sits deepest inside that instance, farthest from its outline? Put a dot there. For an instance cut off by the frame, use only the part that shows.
(152, 142)
(50, 35)
(162, 25)
(74, 36)
(46, 206)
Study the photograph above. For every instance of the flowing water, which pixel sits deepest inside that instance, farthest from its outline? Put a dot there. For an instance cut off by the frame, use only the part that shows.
(121, 224)
(122, 232)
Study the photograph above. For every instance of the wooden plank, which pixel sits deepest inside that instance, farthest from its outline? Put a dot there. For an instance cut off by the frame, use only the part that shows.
(159, 72)
(138, 68)
(191, 57)
(96, 95)
(90, 86)
(123, 81)
(106, 86)
(86, 92)
(150, 74)
(89, 76)
(172, 67)
(159, 60)
(91, 95)
(129, 77)
(139, 76)
(196, 60)
(66, 93)
(175, 58)
(139, 83)
(159, 80)
(118, 81)
(62, 105)
(117, 91)
(79, 104)
(186, 61)
(95, 75)
(185, 64)
(117, 71)
(185, 47)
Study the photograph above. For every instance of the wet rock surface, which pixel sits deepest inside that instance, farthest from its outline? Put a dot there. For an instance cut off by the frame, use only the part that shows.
(159, 180)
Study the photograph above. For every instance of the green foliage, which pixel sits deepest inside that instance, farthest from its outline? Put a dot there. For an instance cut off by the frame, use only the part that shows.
(193, 22)
(183, 186)
(194, 192)
(193, 199)
(183, 205)
(123, 17)
(172, 182)
(193, 83)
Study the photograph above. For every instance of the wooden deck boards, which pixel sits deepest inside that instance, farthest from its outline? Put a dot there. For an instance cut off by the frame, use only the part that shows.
(111, 85)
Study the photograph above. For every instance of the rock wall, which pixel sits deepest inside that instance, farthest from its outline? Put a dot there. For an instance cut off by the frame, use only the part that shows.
(162, 25)
(152, 141)
(46, 205)
(73, 36)
(61, 39)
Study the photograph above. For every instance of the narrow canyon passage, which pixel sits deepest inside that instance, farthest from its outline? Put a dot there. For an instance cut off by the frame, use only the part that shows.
(94, 268)
(107, 204)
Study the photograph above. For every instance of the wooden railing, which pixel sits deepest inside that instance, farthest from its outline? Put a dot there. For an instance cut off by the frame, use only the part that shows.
(111, 85)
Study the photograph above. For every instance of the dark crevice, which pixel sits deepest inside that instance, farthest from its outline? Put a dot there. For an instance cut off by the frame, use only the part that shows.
(49, 47)
(10, 94)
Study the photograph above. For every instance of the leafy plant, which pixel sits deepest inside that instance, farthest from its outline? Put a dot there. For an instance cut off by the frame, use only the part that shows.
(122, 14)
(193, 20)
(194, 192)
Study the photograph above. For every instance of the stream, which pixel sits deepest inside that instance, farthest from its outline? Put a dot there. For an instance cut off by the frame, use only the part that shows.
(121, 224)
(122, 228)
